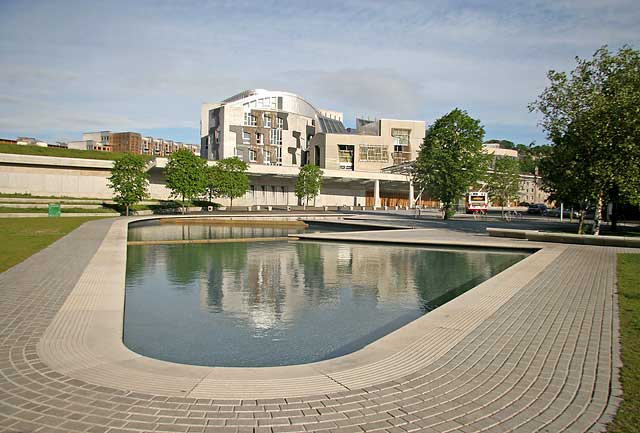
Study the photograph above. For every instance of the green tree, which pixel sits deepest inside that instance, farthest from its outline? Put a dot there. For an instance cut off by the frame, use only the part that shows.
(564, 177)
(308, 183)
(231, 178)
(451, 159)
(504, 183)
(129, 180)
(185, 174)
(211, 182)
(591, 117)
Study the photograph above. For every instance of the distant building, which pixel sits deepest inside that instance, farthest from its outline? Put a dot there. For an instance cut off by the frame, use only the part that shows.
(132, 142)
(29, 141)
(495, 149)
(530, 184)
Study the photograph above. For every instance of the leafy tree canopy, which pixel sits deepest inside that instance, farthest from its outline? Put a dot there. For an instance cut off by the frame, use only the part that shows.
(186, 175)
(592, 117)
(504, 183)
(308, 183)
(451, 159)
(129, 180)
(230, 178)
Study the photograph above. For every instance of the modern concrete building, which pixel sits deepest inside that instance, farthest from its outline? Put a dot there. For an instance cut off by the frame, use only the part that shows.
(272, 128)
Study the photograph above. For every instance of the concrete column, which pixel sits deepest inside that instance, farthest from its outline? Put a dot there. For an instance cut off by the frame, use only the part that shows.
(376, 193)
(411, 195)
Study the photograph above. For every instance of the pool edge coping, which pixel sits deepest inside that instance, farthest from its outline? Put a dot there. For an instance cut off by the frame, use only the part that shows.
(84, 341)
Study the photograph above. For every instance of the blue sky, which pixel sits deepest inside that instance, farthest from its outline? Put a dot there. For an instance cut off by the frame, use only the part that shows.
(74, 66)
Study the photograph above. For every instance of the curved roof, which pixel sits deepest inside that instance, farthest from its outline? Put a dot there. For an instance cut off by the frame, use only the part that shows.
(289, 102)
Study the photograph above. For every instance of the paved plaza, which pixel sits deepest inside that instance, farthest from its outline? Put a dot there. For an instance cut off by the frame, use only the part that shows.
(534, 348)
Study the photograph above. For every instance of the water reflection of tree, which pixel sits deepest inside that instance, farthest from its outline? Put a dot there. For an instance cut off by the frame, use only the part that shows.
(311, 256)
(226, 256)
(186, 262)
(443, 276)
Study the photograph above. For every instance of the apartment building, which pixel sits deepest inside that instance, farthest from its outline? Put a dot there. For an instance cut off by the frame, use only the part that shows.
(132, 142)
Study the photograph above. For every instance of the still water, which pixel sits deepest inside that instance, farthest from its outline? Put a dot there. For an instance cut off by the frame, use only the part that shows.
(281, 303)
(155, 230)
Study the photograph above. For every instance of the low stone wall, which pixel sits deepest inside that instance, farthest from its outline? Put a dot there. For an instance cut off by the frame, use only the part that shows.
(566, 238)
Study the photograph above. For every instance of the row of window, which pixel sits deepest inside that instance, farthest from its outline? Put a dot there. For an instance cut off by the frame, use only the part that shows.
(373, 153)
(268, 158)
(270, 102)
(251, 120)
(275, 137)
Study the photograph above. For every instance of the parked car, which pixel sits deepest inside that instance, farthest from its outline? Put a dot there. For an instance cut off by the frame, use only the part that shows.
(537, 209)
(566, 213)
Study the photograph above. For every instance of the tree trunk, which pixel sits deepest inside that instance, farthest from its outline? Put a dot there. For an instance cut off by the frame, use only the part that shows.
(126, 210)
(445, 211)
(581, 222)
(598, 215)
(230, 203)
(614, 216)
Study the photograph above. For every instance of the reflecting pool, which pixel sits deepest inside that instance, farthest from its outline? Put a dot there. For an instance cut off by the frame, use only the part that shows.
(280, 303)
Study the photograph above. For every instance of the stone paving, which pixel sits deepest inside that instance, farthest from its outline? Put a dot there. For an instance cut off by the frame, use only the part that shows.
(546, 360)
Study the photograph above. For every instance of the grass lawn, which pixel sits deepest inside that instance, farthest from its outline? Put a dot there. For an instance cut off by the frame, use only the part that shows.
(66, 153)
(22, 237)
(45, 210)
(628, 417)
(27, 195)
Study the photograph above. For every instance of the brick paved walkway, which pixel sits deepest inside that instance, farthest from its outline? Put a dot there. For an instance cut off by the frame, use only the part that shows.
(546, 360)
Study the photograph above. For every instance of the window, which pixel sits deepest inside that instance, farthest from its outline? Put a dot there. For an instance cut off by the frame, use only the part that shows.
(373, 153)
(345, 157)
(400, 140)
(275, 137)
(246, 138)
(259, 138)
(252, 155)
(280, 123)
(249, 119)
(266, 119)
(266, 158)
(239, 153)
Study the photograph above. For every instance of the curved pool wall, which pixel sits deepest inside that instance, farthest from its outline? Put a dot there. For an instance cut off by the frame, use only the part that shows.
(282, 303)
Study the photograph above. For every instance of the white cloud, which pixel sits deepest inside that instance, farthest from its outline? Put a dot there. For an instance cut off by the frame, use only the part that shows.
(150, 64)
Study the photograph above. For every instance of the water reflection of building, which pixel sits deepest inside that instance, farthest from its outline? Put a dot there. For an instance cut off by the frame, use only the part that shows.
(269, 283)
(278, 282)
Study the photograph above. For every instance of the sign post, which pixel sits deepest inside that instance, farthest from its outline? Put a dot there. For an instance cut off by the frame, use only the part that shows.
(54, 209)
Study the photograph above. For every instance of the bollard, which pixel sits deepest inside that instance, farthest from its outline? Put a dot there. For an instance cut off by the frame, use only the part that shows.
(386, 207)
(249, 208)
(269, 208)
(326, 208)
(288, 208)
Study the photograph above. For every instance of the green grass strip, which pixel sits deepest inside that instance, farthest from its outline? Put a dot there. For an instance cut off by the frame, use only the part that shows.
(628, 417)
(46, 210)
(22, 237)
(64, 153)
